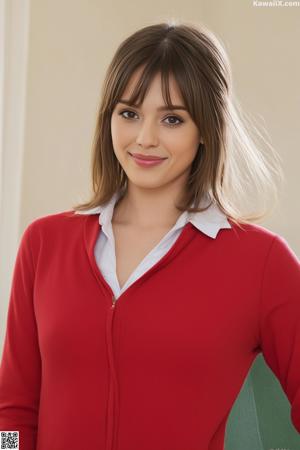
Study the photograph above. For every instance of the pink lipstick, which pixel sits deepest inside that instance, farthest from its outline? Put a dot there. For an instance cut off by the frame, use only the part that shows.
(145, 162)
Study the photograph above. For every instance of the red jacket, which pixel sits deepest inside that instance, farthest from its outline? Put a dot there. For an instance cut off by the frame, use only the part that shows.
(162, 367)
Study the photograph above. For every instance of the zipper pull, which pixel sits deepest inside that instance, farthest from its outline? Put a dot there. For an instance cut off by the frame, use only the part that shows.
(113, 301)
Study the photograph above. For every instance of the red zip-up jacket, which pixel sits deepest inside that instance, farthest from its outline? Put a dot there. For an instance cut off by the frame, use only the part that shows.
(159, 369)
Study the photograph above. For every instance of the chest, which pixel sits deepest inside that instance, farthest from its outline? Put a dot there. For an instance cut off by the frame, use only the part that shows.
(131, 247)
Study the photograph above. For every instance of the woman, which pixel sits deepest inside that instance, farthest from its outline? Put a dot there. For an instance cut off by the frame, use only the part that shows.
(135, 317)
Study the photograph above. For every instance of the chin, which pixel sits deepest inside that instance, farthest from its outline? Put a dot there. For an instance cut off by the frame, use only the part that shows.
(143, 184)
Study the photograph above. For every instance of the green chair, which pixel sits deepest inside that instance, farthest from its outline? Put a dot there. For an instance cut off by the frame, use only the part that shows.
(260, 417)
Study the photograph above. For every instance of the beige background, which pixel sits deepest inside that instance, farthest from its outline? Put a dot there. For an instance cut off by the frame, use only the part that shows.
(56, 53)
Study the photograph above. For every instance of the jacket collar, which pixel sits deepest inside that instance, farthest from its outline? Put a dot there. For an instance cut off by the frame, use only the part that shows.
(209, 222)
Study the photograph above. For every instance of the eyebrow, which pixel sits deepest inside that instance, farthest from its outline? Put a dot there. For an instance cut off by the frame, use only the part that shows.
(160, 108)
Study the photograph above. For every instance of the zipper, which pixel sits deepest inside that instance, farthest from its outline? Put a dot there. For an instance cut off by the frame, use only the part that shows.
(113, 393)
(113, 396)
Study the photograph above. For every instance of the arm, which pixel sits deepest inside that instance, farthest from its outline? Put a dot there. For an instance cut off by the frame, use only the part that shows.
(20, 370)
(280, 320)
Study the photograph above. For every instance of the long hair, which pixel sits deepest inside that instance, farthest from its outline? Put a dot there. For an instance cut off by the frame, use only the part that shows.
(230, 166)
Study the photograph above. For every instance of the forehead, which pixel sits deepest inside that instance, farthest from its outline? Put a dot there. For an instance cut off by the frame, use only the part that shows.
(155, 87)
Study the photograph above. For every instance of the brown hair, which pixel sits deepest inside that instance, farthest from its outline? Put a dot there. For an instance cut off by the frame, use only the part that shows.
(229, 164)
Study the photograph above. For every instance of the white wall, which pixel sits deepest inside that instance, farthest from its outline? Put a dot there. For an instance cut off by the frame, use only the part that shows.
(14, 17)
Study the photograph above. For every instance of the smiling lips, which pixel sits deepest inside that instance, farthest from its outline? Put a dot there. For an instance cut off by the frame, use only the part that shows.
(146, 161)
(146, 157)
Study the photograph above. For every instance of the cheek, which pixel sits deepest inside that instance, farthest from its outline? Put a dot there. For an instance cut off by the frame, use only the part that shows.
(184, 150)
(182, 140)
(121, 135)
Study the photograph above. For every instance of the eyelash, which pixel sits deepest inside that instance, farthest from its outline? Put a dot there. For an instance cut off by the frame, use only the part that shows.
(169, 124)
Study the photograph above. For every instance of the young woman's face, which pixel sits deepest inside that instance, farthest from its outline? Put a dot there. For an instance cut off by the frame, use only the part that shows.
(169, 134)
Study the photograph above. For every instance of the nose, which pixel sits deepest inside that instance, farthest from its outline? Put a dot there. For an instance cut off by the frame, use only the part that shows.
(147, 135)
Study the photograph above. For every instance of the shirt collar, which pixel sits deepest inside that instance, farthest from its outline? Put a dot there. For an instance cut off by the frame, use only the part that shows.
(209, 222)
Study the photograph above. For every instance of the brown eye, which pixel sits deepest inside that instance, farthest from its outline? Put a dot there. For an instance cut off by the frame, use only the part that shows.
(176, 118)
(126, 111)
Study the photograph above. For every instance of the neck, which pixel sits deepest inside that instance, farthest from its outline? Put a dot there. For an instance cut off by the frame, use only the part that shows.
(147, 208)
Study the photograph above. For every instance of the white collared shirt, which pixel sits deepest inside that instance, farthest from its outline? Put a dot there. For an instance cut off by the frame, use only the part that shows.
(209, 222)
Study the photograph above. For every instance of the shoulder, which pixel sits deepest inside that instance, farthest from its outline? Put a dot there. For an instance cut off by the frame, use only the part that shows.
(258, 239)
(67, 217)
(252, 232)
(53, 226)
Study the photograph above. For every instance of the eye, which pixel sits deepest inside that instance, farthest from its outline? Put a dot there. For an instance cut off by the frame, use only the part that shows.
(176, 118)
(172, 124)
(125, 111)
